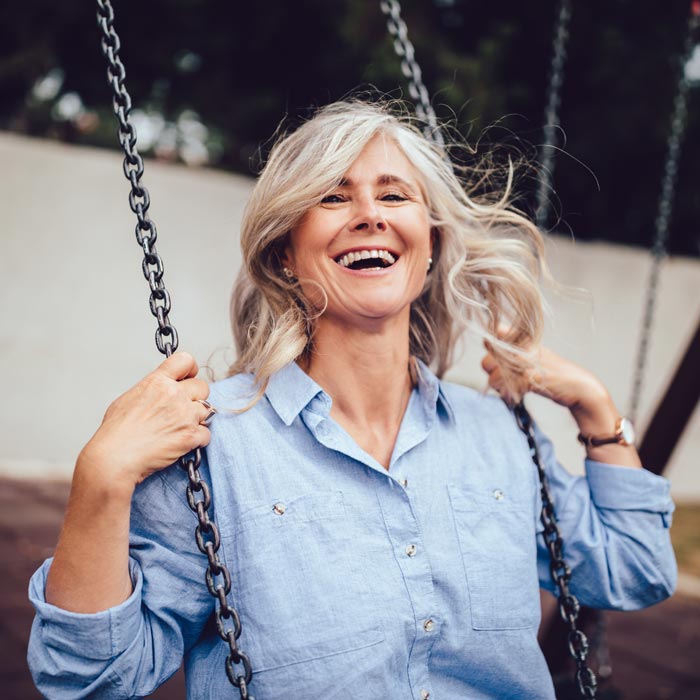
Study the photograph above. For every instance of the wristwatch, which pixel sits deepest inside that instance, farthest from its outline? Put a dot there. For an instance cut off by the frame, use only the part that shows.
(624, 435)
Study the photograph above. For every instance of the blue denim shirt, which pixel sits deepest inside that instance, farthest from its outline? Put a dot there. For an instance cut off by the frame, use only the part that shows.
(414, 582)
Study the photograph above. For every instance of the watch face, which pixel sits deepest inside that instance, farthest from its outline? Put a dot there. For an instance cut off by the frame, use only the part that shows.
(627, 431)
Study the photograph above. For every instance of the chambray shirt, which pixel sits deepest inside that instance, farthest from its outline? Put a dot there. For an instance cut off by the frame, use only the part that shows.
(354, 581)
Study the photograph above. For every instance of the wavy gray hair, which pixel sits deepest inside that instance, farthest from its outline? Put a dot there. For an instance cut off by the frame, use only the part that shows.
(488, 258)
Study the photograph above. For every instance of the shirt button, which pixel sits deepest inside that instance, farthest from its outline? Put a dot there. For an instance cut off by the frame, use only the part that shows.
(411, 550)
(279, 508)
(428, 625)
(499, 495)
(403, 482)
(424, 694)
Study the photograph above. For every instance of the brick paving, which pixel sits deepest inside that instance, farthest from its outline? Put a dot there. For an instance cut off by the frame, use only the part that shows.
(655, 652)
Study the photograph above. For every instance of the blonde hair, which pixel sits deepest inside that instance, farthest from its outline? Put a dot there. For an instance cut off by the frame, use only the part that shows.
(487, 257)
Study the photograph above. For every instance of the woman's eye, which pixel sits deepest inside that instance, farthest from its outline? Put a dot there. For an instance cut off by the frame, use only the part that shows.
(332, 199)
(393, 197)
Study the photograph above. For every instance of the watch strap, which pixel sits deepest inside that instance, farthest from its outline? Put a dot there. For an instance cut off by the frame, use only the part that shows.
(618, 437)
(590, 441)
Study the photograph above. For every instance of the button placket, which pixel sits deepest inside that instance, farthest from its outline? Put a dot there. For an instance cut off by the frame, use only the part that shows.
(400, 516)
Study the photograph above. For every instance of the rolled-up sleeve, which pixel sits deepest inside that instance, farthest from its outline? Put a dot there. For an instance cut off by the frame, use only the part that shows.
(130, 649)
(67, 648)
(614, 523)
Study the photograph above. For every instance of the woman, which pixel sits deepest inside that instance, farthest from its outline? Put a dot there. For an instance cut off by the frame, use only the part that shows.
(381, 526)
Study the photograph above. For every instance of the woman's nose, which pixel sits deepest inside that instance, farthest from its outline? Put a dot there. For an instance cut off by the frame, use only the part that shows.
(367, 217)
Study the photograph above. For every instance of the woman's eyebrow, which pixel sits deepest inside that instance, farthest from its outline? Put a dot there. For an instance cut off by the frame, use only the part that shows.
(384, 179)
(394, 180)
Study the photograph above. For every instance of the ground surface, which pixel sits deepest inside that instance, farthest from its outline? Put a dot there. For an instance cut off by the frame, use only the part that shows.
(654, 652)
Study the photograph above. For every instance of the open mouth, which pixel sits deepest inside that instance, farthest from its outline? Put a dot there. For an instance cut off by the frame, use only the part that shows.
(367, 259)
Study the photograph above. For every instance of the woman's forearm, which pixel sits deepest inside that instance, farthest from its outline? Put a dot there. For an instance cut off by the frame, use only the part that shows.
(90, 571)
(143, 431)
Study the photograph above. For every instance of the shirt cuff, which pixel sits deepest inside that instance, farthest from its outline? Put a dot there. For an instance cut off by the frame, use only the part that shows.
(628, 488)
(100, 635)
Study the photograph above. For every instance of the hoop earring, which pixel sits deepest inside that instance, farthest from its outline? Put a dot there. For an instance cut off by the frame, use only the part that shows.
(289, 274)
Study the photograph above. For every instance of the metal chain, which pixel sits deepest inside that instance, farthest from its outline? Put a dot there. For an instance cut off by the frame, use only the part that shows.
(560, 572)
(558, 568)
(409, 67)
(551, 113)
(663, 216)
(217, 577)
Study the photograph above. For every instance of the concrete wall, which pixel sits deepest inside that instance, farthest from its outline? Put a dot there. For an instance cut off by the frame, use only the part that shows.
(76, 330)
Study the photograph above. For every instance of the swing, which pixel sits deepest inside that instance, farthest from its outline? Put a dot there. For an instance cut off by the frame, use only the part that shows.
(662, 221)
(665, 205)
(218, 579)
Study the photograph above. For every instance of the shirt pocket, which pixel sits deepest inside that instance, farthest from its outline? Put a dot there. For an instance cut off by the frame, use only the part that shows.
(497, 540)
(298, 580)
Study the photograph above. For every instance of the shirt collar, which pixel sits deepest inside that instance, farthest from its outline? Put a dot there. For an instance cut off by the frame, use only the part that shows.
(290, 390)
(431, 391)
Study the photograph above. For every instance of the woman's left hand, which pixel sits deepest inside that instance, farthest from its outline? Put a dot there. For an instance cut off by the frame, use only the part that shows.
(558, 379)
(574, 387)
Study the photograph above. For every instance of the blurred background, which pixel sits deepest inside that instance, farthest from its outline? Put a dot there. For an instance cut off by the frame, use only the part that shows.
(211, 82)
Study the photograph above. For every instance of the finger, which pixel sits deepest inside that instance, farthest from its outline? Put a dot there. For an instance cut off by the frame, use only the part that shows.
(180, 365)
(496, 379)
(203, 436)
(502, 331)
(204, 411)
(498, 383)
(199, 436)
(194, 388)
(489, 363)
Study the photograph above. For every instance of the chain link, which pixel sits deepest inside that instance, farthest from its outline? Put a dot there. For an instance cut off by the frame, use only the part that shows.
(411, 70)
(217, 577)
(561, 574)
(551, 113)
(663, 216)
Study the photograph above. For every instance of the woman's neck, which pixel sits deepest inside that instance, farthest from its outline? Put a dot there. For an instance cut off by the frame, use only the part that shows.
(365, 371)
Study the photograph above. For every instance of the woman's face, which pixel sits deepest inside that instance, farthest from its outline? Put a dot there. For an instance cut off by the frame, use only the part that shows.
(368, 242)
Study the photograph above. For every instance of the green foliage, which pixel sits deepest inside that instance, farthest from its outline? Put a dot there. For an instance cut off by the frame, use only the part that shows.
(243, 67)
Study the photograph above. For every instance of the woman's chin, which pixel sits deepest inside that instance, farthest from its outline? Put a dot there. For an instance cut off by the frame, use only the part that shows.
(371, 314)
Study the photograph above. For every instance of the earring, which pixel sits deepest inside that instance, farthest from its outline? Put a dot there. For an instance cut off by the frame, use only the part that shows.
(430, 263)
(287, 273)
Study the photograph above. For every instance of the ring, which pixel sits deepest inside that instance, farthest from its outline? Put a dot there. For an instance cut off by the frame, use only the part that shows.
(211, 412)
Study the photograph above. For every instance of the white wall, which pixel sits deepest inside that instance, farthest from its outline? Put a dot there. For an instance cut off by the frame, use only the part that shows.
(76, 330)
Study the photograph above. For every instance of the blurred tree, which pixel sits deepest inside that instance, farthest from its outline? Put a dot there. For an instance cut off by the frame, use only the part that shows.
(230, 72)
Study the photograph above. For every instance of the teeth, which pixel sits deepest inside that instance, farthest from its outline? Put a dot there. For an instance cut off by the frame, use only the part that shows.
(355, 255)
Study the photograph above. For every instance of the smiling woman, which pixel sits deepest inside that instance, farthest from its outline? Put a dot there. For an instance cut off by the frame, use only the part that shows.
(381, 526)
(356, 177)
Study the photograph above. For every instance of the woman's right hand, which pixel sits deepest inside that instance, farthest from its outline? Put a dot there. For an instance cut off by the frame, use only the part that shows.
(150, 426)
